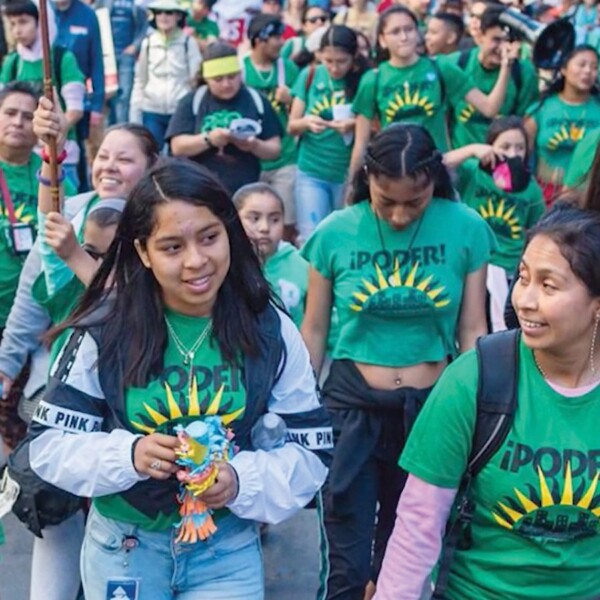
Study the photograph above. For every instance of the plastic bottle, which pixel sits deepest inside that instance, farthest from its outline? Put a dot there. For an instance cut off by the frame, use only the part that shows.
(269, 432)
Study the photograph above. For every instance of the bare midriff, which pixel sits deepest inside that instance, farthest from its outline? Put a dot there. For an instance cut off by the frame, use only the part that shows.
(419, 376)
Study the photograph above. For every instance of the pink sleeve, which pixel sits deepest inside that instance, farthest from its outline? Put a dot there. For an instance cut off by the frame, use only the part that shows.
(415, 544)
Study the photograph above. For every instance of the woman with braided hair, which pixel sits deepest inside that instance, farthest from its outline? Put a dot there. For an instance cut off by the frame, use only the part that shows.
(405, 268)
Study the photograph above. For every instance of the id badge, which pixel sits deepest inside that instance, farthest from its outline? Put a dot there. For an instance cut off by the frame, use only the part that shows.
(9, 492)
(22, 236)
(123, 588)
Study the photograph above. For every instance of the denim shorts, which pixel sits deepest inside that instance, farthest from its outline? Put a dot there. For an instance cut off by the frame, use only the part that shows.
(227, 566)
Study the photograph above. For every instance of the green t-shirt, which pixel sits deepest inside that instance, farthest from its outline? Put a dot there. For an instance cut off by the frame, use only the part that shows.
(398, 293)
(413, 94)
(582, 159)
(293, 46)
(284, 73)
(33, 72)
(560, 129)
(165, 402)
(203, 29)
(509, 214)
(23, 186)
(468, 125)
(287, 273)
(323, 155)
(536, 521)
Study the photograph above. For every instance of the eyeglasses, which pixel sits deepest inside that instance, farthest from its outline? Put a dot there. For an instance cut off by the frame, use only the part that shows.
(319, 19)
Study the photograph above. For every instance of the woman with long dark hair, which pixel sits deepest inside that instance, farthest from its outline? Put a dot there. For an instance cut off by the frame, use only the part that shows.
(321, 116)
(178, 328)
(405, 267)
(567, 112)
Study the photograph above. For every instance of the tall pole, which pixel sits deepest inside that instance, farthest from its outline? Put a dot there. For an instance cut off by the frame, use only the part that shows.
(49, 93)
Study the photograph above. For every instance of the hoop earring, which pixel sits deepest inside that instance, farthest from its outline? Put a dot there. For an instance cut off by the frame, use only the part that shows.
(593, 346)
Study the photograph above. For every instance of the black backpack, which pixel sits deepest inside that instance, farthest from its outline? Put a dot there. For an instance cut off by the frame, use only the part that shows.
(497, 358)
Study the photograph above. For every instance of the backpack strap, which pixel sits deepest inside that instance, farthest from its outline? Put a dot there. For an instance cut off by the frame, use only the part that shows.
(258, 101)
(199, 96)
(280, 66)
(58, 53)
(497, 358)
(463, 58)
(310, 77)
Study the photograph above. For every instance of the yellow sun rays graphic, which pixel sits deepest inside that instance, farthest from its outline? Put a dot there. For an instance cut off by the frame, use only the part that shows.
(466, 113)
(571, 133)
(327, 103)
(20, 214)
(155, 418)
(434, 292)
(492, 211)
(408, 99)
(509, 518)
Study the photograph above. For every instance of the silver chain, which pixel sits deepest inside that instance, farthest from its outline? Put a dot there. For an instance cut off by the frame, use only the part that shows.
(188, 355)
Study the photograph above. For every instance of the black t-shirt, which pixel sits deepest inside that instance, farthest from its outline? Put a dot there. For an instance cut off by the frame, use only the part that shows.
(234, 167)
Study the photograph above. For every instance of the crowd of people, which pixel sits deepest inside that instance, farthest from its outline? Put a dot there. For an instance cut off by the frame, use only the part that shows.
(324, 253)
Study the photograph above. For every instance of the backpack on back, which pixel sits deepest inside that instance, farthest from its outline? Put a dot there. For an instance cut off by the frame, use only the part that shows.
(497, 358)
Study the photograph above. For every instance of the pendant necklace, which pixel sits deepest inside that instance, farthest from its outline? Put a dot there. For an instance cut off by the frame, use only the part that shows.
(398, 379)
(188, 354)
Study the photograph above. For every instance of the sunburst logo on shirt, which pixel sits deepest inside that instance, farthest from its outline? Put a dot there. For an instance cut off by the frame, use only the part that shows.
(466, 113)
(432, 292)
(501, 217)
(572, 133)
(153, 418)
(324, 107)
(407, 100)
(560, 515)
(20, 214)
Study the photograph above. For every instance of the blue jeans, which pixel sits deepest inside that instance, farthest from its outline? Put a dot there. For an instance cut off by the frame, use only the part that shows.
(227, 566)
(119, 105)
(157, 124)
(315, 199)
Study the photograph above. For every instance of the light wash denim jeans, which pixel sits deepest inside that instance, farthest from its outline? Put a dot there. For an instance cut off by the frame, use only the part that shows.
(119, 105)
(315, 199)
(158, 125)
(227, 566)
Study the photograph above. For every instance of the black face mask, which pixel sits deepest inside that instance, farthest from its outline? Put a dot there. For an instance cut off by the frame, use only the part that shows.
(509, 174)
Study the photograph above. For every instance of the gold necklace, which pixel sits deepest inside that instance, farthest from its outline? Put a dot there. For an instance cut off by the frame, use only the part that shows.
(188, 354)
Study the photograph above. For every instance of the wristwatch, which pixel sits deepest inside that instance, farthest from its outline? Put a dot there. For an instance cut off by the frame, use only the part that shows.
(208, 141)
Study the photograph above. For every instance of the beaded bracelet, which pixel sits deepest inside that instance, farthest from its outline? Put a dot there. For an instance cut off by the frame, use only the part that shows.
(47, 182)
(60, 158)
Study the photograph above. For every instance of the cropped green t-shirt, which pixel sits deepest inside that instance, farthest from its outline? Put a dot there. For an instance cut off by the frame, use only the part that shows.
(560, 129)
(398, 293)
(537, 507)
(165, 401)
(413, 94)
(509, 214)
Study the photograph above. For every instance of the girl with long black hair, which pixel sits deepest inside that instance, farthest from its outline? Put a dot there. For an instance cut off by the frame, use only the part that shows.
(178, 325)
(321, 116)
(405, 268)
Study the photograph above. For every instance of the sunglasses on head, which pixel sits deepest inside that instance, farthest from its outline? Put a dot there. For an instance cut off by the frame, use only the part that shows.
(319, 19)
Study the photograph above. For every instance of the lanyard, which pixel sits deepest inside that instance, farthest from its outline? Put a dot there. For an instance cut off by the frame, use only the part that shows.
(7, 199)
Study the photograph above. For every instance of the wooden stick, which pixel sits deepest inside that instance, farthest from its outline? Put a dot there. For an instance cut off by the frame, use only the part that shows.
(49, 93)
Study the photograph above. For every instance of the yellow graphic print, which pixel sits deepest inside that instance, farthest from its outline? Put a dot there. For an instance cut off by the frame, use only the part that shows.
(277, 106)
(466, 113)
(399, 292)
(186, 409)
(558, 516)
(20, 214)
(571, 133)
(408, 100)
(324, 106)
(501, 219)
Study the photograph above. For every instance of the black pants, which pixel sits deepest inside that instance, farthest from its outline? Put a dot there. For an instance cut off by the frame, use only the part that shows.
(358, 522)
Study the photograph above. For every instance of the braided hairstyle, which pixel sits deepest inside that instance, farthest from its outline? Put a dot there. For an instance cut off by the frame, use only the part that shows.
(403, 150)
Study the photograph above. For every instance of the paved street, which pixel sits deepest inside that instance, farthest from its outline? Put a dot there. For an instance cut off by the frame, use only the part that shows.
(290, 549)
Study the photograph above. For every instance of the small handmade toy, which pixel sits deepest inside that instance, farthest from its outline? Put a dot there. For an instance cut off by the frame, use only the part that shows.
(201, 444)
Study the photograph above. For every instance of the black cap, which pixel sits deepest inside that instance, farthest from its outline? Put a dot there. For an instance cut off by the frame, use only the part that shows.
(263, 26)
